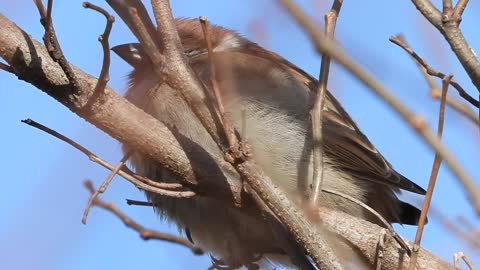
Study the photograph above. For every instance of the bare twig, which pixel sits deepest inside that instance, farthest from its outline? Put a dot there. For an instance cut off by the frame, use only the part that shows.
(435, 93)
(324, 45)
(469, 227)
(103, 187)
(433, 176)
(51, 42)
(456, 260)
(145, 234)
(233, 144)
(48, 19)
(454, 228)
(103, 38)
(317, 111)
(6, 68)
(389, 227)
(460, 7)
(140, 182)
(147, 42)
(121, 7)
(179, 73)
(402, 44)
(446, 4)
(457, 106)
(454, 36)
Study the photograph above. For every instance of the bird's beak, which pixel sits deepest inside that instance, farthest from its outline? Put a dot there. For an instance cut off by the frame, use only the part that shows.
(132, 53)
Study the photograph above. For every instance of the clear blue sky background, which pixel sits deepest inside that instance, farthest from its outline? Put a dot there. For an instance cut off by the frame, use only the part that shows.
(42, 197)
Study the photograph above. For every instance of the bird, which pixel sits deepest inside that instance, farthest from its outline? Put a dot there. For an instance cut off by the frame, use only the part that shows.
(269, 98)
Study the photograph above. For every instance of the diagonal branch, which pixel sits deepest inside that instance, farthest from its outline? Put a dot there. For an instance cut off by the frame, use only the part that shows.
(103, 38)
(165, 189)
(316, 113)
(103, 187)
(144, 233)
(51, 41)
(402, 44)
(453, 35)
(435, 93)
(433, 176)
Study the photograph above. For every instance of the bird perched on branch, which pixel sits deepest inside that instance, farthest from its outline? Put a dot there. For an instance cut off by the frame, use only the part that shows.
(272, 97)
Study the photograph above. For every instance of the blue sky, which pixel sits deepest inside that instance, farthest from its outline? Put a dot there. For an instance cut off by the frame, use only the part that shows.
(42, 177)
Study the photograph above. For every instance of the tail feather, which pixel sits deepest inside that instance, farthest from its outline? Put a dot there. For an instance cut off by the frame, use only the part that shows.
(409, 214)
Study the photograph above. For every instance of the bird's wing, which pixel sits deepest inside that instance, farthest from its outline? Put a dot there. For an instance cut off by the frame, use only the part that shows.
(344, 143)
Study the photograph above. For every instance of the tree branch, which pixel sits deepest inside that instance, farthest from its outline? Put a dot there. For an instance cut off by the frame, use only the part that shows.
(430, 71)
(433, 176)
(316, 113)
(165, 189)
(447, 23)
(144, 233)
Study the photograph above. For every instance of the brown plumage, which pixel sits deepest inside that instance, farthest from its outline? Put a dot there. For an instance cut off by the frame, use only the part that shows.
(275, 96)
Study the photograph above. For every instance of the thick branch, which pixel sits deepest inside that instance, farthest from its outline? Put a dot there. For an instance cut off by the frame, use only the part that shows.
(115, 115)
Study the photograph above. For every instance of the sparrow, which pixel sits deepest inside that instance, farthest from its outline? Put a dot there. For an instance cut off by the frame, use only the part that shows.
(269, 98)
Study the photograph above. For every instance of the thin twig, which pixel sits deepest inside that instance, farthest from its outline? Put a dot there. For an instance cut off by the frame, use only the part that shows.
(453, 228)
(147, 41)
(167, 186)
(446, 4)
(395, 235)
(448, 27)
(165, 189)
(227, 126)
(460, 255)
(436, 93)
(104, 186)
(324, 45)
(6, 68)
(316, 113)
(459, 8)
(121, 7)
(179, 73)
(52, 44)
(48, 19)
(103, 39)
(433, 176)
(145, 234)
(457, 106)
(402, 44)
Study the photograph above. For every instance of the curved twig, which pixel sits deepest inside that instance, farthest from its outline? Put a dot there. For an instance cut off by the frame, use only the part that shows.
(398, 41)
(103, 38)
(145, 234)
